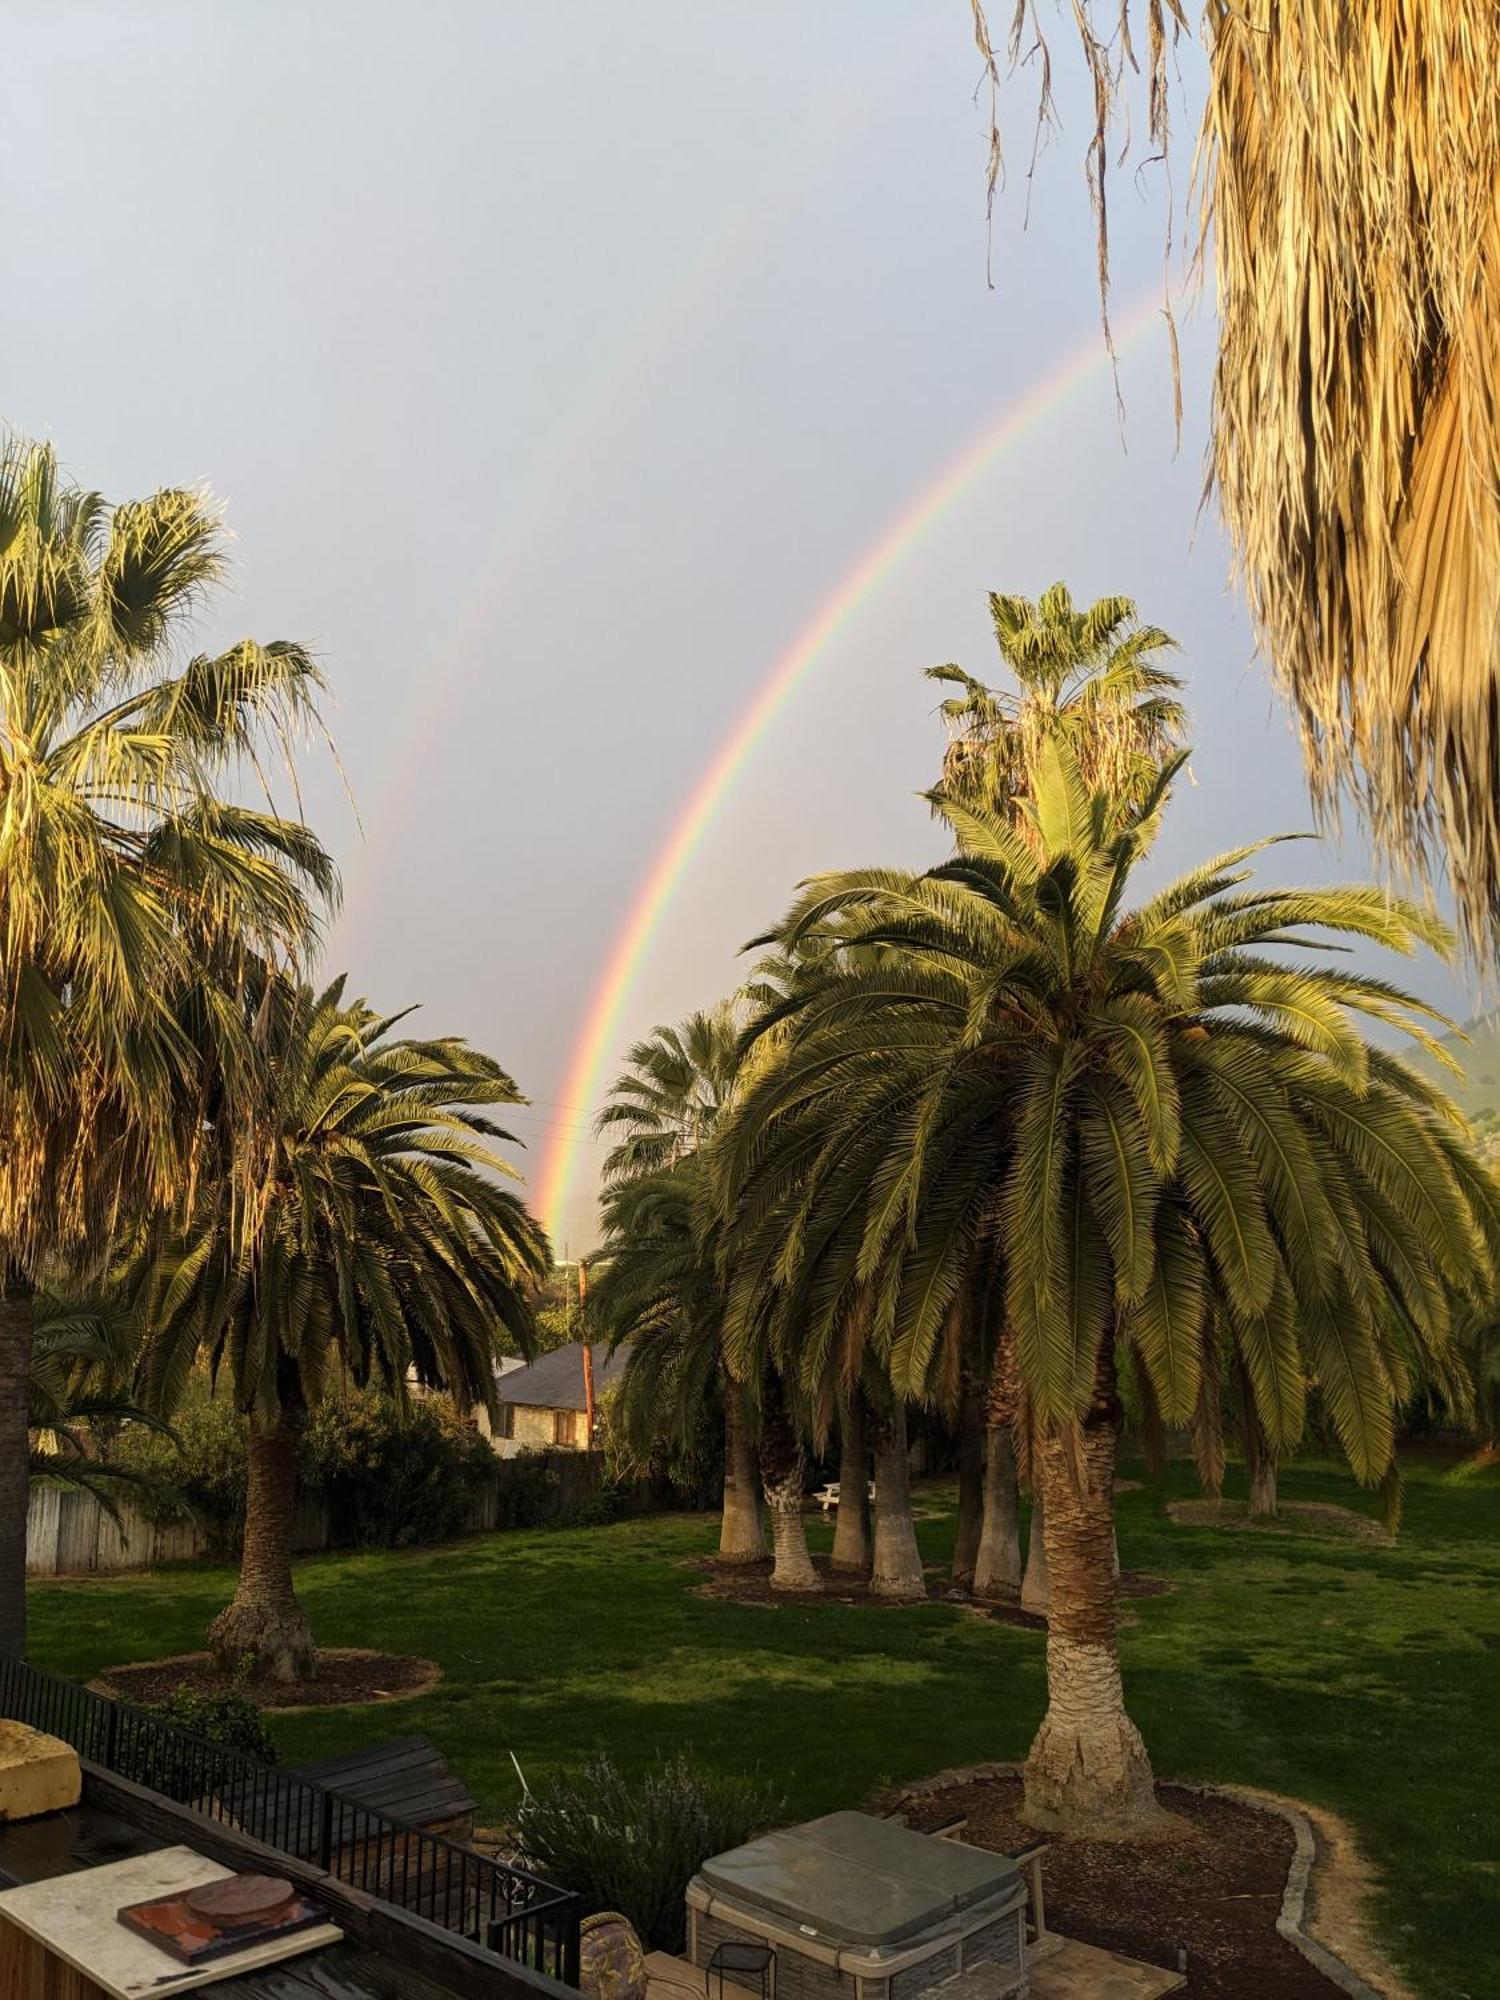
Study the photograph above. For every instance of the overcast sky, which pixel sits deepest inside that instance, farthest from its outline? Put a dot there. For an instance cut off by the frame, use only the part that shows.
(555, 361)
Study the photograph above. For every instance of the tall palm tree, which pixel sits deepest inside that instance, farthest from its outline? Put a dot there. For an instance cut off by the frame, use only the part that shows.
(385, 1243)
(667, 1099)
(133, 891)
(660, 1292)
(1091, 678)
(1150, 1136)
(1351, 156)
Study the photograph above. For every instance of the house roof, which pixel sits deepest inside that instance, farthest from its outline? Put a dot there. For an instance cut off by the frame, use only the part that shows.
(555, 1381)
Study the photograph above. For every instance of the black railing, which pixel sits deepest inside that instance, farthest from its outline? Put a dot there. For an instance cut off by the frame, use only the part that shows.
(504, 1909)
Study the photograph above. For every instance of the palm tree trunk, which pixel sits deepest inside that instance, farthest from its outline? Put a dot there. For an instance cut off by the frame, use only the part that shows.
(265, 1620)
(997, 1566)
(781, 1475)
(851, 1533)
(897, 1570)
(16, 1328)
(1260, 1461)
(1036, 1591)
(742, 1537)
(970, 1482)
(1263, 1489)
(1088, 1771)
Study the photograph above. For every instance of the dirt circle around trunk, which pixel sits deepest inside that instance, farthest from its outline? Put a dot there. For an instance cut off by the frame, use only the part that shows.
(1303, 1518)
(347, 1677)
(1215, 1887)
(750, 1583)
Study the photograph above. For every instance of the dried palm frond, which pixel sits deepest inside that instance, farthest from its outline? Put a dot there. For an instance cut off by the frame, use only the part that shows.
(1350, 193)
(1353, 190)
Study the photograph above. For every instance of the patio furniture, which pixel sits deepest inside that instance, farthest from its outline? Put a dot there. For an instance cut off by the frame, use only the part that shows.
(611, 1958)
(739, 1962)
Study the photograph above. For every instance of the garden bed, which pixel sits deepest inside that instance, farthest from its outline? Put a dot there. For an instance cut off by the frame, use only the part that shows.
(1317, 1518)
(347, 1677)
(750, 1583)
(1215, 1886)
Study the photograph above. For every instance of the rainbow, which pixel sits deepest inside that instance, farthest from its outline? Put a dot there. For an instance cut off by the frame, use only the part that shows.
(599, 1037)
(726, 258)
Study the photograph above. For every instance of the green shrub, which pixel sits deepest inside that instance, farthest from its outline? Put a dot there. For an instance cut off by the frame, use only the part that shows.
(200, 1473)
(229, 1718)
(690, 1466)
(387, 1481)
(391, 1481)
(633, 1844)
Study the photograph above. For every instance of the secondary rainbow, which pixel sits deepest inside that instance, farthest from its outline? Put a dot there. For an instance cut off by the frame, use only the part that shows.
(600, 1037)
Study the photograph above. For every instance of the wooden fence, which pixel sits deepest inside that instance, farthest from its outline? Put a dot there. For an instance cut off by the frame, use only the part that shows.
(68, 1533)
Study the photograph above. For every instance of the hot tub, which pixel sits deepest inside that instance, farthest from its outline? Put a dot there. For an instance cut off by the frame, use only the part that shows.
(857, 1908)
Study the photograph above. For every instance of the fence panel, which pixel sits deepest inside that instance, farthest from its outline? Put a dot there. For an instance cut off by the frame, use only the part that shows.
(68, 1533)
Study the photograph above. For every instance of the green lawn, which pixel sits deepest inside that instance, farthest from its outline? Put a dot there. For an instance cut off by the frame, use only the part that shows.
(1364, 1679)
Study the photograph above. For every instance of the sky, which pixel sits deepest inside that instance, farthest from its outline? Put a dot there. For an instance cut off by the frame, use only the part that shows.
(556, 363)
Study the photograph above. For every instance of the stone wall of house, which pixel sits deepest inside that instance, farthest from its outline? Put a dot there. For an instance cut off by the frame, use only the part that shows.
(535, 1429)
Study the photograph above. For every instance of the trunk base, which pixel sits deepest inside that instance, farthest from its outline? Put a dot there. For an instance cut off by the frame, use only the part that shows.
(997, 1566)
(896, 1575)
(901, 1588)
(742, 1536)
(1088, 1773)
(793, 1567)
(851, 1528)
(275, 1637)
(1263, 1494)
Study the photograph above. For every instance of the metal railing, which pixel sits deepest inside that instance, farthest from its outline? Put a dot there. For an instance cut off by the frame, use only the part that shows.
(504, 1909)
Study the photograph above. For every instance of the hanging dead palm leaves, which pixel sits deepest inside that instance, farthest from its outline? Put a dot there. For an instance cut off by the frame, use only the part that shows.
(1350, 194)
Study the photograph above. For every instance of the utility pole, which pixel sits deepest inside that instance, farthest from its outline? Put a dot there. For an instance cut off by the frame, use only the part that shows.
(588, 1362)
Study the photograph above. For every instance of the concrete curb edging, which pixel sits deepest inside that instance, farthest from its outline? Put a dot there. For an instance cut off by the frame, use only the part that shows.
(1291, 1921)
(1294, 1897)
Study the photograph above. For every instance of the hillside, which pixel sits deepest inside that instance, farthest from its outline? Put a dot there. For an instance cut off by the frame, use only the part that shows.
(1478, 1093)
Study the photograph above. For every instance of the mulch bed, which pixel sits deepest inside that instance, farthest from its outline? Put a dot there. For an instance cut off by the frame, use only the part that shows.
(1293, 1517)
(750, 1583)
(1214, 1887)
(346, 1678)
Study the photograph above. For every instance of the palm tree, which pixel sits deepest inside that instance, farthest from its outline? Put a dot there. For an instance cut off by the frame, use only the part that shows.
(660, 1292)
(385, 1244)
(82, 1364)
(1089, 678)
(1350, 159)
(1151, 1136)
(132, 892)
(668, 1098)
(853, 1550)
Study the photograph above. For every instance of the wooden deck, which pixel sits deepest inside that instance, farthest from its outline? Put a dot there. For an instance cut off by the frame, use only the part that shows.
(1063, 1970)
(405, 1778)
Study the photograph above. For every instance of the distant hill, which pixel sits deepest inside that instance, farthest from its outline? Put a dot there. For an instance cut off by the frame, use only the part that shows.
(1478, 1093)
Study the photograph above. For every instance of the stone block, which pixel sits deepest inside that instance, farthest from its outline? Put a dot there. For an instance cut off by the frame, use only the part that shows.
(38, 1774)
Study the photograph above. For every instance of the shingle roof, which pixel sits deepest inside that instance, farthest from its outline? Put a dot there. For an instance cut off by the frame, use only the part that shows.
(555, 1381)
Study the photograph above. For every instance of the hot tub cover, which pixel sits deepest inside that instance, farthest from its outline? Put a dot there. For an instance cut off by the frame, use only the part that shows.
(859, 1881)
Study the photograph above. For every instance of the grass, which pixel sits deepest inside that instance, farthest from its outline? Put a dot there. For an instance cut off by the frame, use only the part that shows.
(1359, 1678)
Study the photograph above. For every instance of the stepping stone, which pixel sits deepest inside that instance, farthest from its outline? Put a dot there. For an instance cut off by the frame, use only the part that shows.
(1074, 1971)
